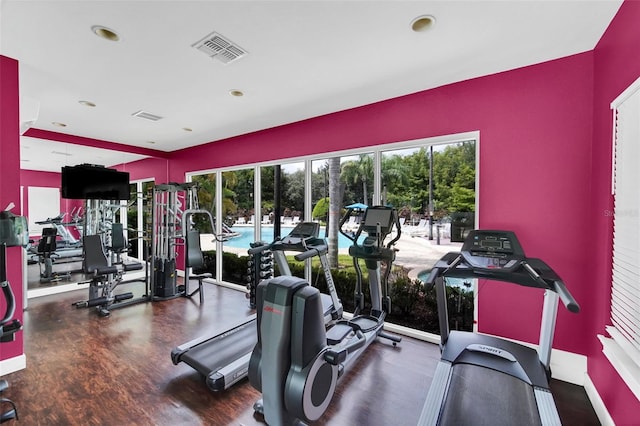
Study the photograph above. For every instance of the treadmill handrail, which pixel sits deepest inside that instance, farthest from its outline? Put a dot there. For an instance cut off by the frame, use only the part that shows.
(307, 254)
(556, 286)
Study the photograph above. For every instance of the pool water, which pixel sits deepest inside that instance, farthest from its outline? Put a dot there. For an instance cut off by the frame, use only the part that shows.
(245, 237)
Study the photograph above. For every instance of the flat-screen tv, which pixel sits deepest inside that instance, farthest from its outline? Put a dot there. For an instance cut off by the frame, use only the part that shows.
(90, 182)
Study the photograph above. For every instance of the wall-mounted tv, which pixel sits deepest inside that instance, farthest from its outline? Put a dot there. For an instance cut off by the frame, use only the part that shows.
(91, 182)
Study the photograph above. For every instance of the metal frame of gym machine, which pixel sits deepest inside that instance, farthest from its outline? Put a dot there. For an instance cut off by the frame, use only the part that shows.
(13, 232)
(99, 218)
(223, 358)
(296, 363)
(173, 207)
(169, 202)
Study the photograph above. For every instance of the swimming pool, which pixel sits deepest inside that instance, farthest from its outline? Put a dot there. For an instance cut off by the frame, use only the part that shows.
(245, 236)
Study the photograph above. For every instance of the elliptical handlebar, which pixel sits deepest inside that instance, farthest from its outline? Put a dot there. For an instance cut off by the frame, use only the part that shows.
(10, 303)
(347, 215)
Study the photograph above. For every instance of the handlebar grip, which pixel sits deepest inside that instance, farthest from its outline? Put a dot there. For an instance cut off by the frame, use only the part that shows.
(305, 255)
(569, 302)
(334, 357)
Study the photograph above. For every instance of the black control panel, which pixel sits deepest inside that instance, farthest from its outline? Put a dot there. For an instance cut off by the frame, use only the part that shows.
(485, 249)
(303, 235)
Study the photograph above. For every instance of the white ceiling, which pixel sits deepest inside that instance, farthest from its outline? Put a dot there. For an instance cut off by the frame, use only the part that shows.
(305, 58)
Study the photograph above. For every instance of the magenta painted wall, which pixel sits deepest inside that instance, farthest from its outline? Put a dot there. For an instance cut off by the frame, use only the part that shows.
(10, 185)
(616, 66)
(149, 168)
(535, 132)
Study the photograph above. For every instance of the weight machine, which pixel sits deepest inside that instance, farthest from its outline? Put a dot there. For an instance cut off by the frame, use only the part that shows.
(103, 234)
(13, 232)
(174, 207)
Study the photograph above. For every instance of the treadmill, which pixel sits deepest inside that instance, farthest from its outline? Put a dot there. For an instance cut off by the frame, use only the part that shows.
(223, 359)
(485, 380)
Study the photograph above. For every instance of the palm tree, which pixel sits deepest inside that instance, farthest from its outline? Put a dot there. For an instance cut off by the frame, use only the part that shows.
(360, 171)
(335, 207)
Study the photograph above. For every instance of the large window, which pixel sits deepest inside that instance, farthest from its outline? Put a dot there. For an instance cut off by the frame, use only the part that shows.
(431, 182)
(623, 348)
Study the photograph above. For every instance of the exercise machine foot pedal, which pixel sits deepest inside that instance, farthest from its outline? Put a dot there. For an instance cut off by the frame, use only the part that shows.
(337, 333)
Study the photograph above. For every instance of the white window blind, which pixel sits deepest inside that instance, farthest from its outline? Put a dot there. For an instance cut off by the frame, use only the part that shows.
(623, 347)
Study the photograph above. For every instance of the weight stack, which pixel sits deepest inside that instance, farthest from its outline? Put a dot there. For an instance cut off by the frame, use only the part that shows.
(259, 268)
(165, 278)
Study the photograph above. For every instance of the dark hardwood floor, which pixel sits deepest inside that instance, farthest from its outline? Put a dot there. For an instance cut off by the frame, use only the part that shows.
(86, 370)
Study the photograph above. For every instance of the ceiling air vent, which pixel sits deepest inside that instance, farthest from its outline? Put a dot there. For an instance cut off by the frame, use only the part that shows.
(147, 115)
(217, 47)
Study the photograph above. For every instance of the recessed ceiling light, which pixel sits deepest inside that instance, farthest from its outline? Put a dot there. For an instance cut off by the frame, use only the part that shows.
(87, 103)
(236, 93)
(187, 129)
(56, 123)
(423, 23)
(105, 33)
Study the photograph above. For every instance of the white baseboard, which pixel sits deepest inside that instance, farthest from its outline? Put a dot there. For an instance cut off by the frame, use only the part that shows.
(597, 403)
(61, 288)
(11, 365)
(568, 367)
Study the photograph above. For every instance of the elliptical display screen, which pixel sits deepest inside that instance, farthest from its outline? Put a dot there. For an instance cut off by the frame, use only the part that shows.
(375, 216)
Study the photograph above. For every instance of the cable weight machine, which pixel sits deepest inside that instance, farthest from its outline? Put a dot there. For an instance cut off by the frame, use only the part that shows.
(174, 206)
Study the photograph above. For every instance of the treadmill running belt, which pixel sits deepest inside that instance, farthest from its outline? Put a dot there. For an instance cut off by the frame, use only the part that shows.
(213, 354)
(480, 396)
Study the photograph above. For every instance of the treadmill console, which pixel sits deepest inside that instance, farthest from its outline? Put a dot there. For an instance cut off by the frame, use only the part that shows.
(494, 250)
(303, 233)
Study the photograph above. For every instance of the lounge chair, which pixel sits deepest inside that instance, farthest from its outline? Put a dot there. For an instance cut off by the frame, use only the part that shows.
(421, 229)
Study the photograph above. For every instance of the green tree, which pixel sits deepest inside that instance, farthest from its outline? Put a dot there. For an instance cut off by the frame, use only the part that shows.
(321, 209)
(358, 173)
(394, 181)
(241, 184)
(293, 192)
(229, 182)
(454, 178)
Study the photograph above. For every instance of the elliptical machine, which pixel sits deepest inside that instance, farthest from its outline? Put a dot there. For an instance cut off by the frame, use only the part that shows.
(296, 363)
(13, 232)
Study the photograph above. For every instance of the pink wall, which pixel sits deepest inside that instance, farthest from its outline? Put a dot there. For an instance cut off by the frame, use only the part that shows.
(616, 66)
(535, 158)
(10, 185)
(149, 168)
